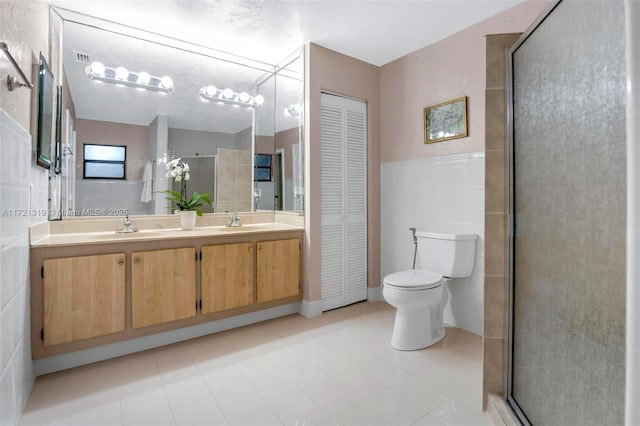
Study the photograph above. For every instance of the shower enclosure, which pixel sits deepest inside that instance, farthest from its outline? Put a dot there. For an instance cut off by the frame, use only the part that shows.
(566, 352)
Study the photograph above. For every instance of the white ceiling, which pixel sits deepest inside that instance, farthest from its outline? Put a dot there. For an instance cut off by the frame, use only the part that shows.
(375, 31)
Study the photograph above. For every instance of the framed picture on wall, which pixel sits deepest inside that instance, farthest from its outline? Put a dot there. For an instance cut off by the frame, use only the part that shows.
(445, 121)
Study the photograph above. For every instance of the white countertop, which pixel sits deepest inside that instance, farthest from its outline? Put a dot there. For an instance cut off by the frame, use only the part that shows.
(66, 239)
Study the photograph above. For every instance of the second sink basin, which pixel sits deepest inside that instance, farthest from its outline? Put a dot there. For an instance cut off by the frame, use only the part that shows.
(243, 228)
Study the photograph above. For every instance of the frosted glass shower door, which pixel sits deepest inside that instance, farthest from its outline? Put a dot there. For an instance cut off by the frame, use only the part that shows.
(568, 209)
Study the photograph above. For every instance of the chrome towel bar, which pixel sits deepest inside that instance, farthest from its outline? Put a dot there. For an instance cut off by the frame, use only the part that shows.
(13, 82)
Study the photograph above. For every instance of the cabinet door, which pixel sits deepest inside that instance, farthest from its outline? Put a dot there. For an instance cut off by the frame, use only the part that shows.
(83, 297)
(227, 276)
(278, 269)
(163, 286)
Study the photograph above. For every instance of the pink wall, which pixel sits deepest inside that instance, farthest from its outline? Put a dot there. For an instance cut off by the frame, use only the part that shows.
(445, 70)
(264, 144)
(334, 72)
(107, 133)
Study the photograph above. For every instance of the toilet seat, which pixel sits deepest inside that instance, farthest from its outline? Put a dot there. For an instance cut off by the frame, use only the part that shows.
(416, 279)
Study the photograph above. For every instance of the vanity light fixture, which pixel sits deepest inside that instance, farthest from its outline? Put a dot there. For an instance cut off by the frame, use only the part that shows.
(227, 96)
(120, 76)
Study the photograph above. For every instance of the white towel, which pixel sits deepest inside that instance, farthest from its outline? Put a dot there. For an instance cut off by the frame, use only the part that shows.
(147, 177)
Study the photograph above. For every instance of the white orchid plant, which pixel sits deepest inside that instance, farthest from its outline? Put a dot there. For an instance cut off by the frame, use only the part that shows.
(178, 170)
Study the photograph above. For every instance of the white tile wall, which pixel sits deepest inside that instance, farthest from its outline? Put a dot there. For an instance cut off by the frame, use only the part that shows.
(439, 194)
(23, 202)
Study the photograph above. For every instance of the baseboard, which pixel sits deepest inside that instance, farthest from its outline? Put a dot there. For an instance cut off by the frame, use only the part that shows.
(374, 294)
(499, 411)
(113, 350)
(311, 309)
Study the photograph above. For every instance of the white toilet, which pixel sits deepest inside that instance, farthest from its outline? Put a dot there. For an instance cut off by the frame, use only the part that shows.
(420, 295)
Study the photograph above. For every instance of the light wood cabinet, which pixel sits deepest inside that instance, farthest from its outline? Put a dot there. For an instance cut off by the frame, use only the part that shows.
(278, 269)
(227, 276)
(163, 286)
(83, 297)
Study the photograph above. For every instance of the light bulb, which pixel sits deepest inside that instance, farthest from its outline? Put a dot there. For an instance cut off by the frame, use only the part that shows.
(97, 68)
(258, 100)
(144, 78)
(122, 73)
(210, 90)
(166, 82)
(228, 93)
(244, 97)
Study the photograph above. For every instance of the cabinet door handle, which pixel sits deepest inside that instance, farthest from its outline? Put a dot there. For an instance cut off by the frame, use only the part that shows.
(250, 248)
(136, 260)
(120, 261)
(260, 248)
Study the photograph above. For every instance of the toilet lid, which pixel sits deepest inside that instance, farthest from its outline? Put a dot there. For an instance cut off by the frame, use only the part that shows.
(414, 279)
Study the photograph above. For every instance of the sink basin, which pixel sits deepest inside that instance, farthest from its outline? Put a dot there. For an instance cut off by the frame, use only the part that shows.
(125, 235)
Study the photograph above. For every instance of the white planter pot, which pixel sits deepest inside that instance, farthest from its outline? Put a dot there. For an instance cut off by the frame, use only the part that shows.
(187, 219)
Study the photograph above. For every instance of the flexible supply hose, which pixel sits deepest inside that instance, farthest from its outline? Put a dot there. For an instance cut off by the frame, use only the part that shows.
(415, 245)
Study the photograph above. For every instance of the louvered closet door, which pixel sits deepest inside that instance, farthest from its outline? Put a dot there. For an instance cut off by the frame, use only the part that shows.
(344, 201)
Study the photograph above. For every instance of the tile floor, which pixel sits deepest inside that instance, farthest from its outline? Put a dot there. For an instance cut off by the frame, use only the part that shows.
(336, 369)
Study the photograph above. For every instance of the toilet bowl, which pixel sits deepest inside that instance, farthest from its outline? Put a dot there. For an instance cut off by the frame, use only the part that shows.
(420, 295)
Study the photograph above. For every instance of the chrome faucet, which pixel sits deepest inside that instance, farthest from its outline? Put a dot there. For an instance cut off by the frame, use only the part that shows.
(235, 220)
(126, 227)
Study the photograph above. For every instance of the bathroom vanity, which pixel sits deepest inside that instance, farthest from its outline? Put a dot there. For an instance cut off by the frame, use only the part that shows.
(91, 288)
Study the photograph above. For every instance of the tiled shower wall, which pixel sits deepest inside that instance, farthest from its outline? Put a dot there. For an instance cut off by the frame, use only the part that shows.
(234, 187)
(496, 186)
(23, 202)
(438, 194)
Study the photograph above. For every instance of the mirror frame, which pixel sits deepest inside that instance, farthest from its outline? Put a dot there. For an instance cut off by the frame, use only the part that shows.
(57, 153)
(45, 120)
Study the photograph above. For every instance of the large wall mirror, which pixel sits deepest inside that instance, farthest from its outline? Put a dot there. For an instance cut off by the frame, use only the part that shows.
(148, 99)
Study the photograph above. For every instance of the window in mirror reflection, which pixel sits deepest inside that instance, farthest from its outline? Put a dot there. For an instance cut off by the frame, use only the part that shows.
(262, 169)
(104, 161)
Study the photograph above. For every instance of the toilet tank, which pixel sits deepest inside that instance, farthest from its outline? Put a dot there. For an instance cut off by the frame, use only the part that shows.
(451, 255)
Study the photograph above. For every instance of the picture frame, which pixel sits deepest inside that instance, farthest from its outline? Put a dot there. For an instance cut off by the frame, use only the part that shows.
(45, 114)
(445, 121)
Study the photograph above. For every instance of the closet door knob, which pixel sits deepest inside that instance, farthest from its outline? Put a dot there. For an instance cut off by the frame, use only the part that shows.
(120, 261)
(136, 260)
